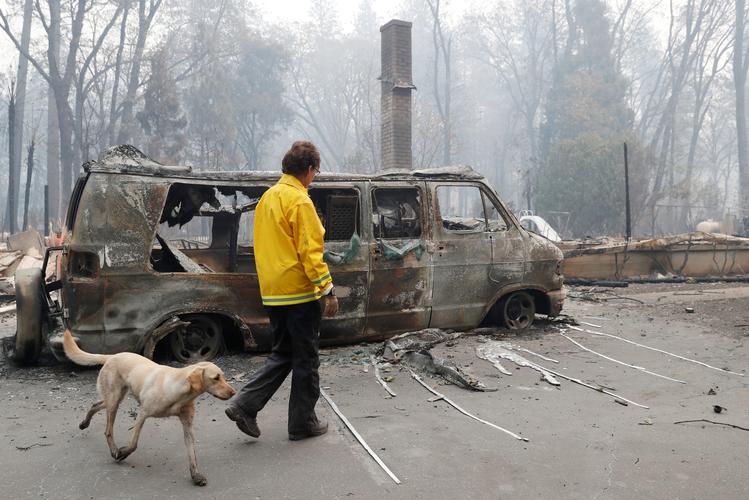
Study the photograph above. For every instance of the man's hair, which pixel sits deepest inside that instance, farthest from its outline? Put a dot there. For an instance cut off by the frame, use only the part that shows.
(301, 156)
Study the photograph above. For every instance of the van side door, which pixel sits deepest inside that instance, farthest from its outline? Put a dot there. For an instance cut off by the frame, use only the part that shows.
(339, 206)
(399, 283)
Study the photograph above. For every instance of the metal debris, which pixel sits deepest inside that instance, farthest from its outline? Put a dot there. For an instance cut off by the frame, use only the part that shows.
(419, 340)
(523, 349)
(358, 437)
(712, 422)
(8, 309)
(597, 388)
(424, 361)
(493, 351)
(27, 448)
(639, 368)
(535, 366)
(440, 396)
(655, 349)
(379, 377)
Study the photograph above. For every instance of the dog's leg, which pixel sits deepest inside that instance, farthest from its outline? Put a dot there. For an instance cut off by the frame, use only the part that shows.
(186, 417)
(126, 451)
(112, 402)
(95, 408)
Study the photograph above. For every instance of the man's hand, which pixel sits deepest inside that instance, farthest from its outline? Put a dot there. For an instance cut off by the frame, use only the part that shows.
(331, 306)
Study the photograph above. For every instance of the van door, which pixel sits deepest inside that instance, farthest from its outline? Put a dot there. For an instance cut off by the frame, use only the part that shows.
(509, 245)
(339, 207)
(399, 284)
(462, 258)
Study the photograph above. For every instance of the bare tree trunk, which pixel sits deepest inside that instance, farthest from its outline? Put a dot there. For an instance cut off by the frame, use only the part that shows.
(10, 209)
(442, 51)
(117, 73)
(83, 83)
(29, 176)
(18, 121)
(739, 80)
(145, 18)
(53, 129)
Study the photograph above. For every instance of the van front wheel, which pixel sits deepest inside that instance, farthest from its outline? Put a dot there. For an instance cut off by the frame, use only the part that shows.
(201, 340)
(517, 310)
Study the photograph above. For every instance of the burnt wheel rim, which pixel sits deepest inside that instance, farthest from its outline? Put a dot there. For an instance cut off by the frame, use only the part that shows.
(519, 311)
(199, 341)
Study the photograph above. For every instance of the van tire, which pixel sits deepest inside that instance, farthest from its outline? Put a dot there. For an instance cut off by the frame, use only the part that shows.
(517, 310)
(30, 316)
(201, 340)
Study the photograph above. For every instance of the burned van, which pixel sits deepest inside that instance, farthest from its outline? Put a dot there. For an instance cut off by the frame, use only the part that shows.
(162, 257)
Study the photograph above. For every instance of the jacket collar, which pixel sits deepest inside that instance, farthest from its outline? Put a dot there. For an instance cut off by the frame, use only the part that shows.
(292, 181)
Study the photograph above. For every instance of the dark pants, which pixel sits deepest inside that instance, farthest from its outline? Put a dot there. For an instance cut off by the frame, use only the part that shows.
(296, 334)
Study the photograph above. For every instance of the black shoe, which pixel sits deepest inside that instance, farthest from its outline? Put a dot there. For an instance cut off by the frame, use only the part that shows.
(317, 429)
(246, 424)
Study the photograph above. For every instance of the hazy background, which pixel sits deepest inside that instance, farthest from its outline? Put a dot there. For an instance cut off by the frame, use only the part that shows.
(538, 95)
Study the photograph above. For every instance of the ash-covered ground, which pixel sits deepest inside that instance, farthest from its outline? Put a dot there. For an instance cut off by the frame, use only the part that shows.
(582, 442)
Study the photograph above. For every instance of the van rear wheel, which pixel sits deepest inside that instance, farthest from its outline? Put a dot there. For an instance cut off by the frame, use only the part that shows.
(517, 310)
(30, 316)
(201, 340)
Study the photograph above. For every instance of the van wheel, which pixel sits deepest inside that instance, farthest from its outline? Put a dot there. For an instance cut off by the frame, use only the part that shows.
(30, 316)
(517, 310)
(201, 340)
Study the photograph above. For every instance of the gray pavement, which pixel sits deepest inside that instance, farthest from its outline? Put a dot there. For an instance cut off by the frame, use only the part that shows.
(582, 443)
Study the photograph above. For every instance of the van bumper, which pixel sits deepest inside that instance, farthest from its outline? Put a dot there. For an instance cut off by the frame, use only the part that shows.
(556, 300)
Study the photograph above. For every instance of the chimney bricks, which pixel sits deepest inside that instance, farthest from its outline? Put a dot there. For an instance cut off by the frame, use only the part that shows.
(396, 84)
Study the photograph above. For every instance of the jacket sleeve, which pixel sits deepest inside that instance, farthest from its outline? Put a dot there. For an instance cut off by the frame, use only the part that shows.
(308, 239)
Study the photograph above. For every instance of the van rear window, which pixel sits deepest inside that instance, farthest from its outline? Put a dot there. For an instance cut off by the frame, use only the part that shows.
(205, 229)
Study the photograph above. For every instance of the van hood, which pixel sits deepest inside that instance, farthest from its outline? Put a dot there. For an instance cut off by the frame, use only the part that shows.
(541, 248)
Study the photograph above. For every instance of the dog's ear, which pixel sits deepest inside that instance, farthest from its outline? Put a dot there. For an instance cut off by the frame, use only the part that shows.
(196, 380)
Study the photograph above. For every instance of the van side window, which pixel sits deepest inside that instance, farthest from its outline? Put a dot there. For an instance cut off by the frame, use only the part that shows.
(206, 229)
(495, 220)
(396, 213)
(461, 208)
(338, 210)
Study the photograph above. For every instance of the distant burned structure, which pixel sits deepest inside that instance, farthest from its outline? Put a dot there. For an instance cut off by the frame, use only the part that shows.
(396, 84)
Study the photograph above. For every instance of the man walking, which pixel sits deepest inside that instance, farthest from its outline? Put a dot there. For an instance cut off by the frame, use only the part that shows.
(288, 239)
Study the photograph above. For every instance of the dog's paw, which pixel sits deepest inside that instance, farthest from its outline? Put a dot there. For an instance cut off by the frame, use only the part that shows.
(199, 479)
(122, 453)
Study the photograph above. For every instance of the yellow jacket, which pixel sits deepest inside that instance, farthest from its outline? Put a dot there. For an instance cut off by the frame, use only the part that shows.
(288, 239)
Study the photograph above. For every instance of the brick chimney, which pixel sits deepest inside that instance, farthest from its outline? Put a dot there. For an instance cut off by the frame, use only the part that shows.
(395, 103)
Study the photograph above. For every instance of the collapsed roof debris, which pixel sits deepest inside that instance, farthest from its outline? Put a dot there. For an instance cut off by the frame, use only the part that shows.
(696, 255)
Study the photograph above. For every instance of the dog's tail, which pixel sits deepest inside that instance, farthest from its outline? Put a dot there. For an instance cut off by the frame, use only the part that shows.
(78, 356)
